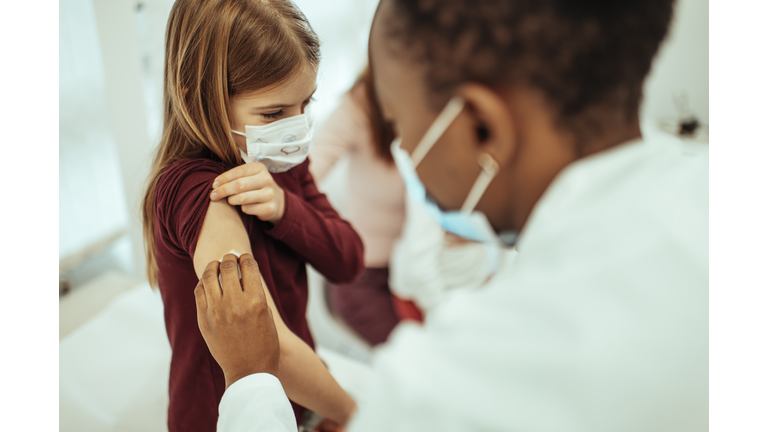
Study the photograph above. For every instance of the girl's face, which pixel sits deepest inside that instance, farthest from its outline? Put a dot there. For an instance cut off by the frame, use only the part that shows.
(265, 106)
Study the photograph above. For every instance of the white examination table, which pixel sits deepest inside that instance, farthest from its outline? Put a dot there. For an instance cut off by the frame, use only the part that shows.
(113, 369)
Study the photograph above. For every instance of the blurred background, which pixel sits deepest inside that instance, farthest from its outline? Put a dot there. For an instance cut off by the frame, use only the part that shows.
(110, 94)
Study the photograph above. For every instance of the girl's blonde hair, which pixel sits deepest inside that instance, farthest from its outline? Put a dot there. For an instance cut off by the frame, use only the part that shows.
(215, 49)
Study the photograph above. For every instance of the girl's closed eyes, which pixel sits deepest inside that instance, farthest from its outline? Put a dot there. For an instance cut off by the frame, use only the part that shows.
(275, 115)
(272, 116)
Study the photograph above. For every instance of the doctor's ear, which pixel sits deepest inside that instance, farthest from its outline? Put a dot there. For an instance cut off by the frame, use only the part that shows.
(493, 122)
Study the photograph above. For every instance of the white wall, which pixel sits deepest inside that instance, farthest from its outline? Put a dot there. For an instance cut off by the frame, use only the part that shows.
(343, 27)
(682, 65)
(91, 198)
(110, 81)
(125, 70)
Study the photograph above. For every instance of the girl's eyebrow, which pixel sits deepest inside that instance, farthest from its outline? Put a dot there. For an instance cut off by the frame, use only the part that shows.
(271, 107)
(280, 106)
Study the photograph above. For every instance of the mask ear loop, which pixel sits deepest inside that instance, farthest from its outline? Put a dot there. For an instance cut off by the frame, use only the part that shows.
(490, 169)
(441, 123)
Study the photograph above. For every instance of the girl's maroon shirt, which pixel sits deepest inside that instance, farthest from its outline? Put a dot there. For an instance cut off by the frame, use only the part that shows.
(310, 232)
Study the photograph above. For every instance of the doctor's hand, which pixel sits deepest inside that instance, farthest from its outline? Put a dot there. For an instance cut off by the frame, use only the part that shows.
(235, 320)
(252, 187)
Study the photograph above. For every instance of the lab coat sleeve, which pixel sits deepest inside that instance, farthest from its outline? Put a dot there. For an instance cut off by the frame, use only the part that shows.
(256, 403)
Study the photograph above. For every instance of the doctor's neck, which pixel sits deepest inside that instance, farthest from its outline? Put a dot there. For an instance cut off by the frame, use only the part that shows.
(544, 147)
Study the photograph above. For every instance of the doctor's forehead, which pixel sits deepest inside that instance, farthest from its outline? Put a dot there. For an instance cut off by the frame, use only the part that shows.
(397, 80)
(377, 55)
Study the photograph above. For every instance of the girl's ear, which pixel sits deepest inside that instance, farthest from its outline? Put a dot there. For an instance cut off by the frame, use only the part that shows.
(494, 124)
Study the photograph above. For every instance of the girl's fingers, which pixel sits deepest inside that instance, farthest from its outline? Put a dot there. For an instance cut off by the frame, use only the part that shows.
(245, 170)
(243, 184)
(253, 197)
(263, 211)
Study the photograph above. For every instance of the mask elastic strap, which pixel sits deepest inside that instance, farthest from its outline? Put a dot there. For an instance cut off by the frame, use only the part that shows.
(236, 132)
(490, 169)
(441, 123)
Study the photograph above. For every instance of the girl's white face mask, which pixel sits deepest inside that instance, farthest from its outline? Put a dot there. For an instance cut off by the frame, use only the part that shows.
(280, 145)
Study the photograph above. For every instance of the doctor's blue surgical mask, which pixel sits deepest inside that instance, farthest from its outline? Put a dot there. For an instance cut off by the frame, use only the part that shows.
(467, 222)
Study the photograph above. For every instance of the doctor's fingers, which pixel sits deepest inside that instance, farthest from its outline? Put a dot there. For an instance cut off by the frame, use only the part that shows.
(253, 288)
(252, 278)
(260, 196)
(201, 304)
(211, 285)
(240, 179)
(230, 278)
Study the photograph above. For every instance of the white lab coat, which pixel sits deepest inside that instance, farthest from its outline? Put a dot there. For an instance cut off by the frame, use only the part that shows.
(256, 403)
(601, 324)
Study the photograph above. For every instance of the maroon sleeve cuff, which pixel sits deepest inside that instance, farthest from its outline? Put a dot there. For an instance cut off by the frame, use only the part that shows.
(289, 221)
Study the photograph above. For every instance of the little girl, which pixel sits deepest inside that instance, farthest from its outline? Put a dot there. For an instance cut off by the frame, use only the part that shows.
(239, 75)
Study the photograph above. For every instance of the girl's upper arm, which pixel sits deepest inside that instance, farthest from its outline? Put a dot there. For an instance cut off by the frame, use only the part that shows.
(222, 233)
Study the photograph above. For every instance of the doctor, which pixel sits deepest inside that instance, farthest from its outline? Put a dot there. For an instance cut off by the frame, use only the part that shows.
(519, 125)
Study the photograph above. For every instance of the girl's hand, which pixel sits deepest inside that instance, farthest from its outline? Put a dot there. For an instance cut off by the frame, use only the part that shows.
(252, 187)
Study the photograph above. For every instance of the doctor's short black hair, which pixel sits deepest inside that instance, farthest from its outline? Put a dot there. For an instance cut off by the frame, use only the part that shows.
(588, 57)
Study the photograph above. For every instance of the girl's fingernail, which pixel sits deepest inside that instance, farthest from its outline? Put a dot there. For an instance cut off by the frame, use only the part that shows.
(214, 196)
(216, 184)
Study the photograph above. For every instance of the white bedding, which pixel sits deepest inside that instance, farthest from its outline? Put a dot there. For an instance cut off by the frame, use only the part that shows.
(113, 370)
